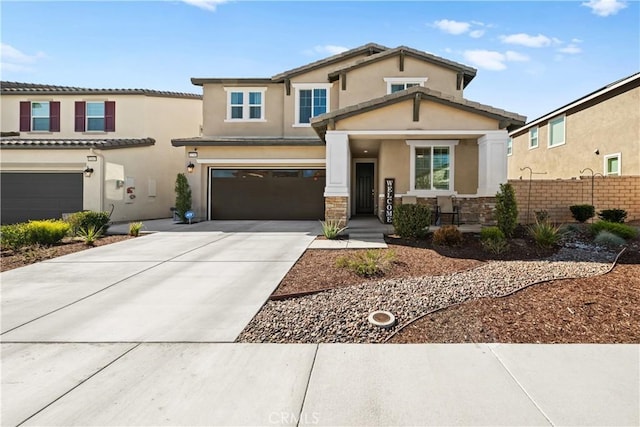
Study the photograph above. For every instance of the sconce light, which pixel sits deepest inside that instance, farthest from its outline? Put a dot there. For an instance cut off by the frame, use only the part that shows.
(190, 167)
(88, 172)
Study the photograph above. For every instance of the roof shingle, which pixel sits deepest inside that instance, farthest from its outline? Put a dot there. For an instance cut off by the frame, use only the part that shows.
(44, 89)
(102, 144)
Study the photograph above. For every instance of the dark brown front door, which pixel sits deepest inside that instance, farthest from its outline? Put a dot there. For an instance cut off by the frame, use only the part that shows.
(364, 188)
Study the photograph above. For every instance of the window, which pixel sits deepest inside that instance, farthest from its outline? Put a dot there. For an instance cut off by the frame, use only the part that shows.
(431, 168)
(396, 84)
(556, 131)
(312, 99)
(533, 137)
(245, 104)
(612, 164)
(40, 116)
(95, 116)
(510, 147)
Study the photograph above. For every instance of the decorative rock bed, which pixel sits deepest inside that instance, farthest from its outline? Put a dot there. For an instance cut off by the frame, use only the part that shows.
(340, 315)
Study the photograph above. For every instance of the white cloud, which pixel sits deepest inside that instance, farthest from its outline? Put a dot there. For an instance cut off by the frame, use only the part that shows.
(605, 7)
(476, 34)
(14, 60)
(209, 5)
(527, 40)
(328, 49)
(452, 27)
(492, 60)
(571, 49)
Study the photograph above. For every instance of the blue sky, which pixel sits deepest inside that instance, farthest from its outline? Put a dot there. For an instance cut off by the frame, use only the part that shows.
(531, 57)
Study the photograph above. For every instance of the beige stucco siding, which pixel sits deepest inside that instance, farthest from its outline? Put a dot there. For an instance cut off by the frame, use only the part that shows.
(367, 82)
(466, 167)
(612, 126)
(433, 116)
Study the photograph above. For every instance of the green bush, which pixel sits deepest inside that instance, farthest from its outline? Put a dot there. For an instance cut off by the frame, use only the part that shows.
(86, 219)
(134, 228)
(493, 240)
(90, 234)
(545, 234)
(368, 264)
(613, 215)
(605, 238)
(621, 230)
(447, 235)
(332, 228)
(506, 209)
(491, 233)
(46, 232)
(582, 213)
(411, 221)
(13, 236)
(183, 196)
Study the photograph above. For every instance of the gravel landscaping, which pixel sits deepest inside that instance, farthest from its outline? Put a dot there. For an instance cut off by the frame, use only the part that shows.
(340, 315)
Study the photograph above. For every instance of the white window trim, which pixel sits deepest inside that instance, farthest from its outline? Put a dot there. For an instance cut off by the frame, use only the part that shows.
(564, 125)
(510, 147)
(302, 86)
(48, 101)
(611, 156)
(87, 117)
(397, 80)
(245, 104)
(531, 146)
(430, 143)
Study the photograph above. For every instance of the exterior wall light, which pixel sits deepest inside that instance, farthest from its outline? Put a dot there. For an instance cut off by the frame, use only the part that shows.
(92, 158)
(88, 172)
(190, 167)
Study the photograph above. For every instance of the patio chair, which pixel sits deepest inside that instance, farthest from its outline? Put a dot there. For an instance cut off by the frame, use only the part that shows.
(446, 206)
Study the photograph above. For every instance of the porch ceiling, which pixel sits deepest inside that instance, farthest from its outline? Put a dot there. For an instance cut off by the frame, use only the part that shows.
(357, 136)
(362, 148)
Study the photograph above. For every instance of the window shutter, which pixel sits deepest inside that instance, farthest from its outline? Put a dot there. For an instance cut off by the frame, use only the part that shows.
(25, 116)
(80, 116)
(54, 116)
(109, 116)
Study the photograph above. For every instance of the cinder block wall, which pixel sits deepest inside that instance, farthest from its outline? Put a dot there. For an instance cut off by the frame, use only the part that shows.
(555, 196)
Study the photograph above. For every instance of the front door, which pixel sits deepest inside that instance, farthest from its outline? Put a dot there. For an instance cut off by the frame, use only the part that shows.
(364, 189)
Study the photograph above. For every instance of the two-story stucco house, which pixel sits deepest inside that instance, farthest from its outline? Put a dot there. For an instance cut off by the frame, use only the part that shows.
(65, 149)
(600, 131)
(329, 139)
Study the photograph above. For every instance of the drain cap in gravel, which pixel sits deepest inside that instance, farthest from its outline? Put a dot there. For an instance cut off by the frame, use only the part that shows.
(382, 318)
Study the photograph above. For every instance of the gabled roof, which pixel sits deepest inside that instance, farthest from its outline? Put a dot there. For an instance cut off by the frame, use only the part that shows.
(199, 81)
(102, 144)
(369, 48)
(507, 119)
(468, 72)
(612, 89)
(44, 89)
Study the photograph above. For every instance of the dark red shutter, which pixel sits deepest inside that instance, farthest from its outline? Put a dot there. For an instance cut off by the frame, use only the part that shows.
(25, 116)
(80, 116)
(109, 116)
(54, 116)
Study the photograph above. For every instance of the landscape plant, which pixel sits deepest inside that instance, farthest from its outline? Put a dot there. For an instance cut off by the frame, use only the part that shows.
(134, 228)
(331, 228)
(493, 240)
(183, 196)
(86, 219)
(447, 235)
(613, 215)
(582, 213)
(621, 230)
(46, 232)
(545, 234)
(606, 238)
(89, 234)
(369, 263)
(506, 209)
(13, 236)
(411, 221)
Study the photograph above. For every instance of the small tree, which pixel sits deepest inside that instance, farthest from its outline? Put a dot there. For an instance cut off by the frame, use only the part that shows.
(183, 196)
(506, 209)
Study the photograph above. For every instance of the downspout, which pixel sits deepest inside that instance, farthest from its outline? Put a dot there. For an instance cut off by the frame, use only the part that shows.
(100, 175)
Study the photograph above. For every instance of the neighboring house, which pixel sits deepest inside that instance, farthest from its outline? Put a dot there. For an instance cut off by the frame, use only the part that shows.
(65, 149)
(600, 131)
(322, 140)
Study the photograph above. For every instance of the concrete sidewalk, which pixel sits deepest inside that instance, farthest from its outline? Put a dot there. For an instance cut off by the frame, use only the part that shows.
(328, 384)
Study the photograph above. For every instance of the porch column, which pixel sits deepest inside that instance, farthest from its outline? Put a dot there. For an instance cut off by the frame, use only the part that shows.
(336, 191)
(492, 162)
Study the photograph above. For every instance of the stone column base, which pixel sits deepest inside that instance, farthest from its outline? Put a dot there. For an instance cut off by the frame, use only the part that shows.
(335, 209)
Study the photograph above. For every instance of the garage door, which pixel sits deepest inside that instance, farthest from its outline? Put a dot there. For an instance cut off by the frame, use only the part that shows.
(267, 194)
(28, 196)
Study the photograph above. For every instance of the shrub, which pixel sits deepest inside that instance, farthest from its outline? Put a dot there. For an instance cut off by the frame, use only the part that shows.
(493, 240)
(89, 234)
(134, 228)
(368, 264)
(613, 215)
(582, 213)
(447, 235)
(506, 209)
(183, 196)
(86, 219)
(605, 238)
(621, 230)
(46, 232)
(13, 236)
(411, 221)
(545, 234)
(331, 228)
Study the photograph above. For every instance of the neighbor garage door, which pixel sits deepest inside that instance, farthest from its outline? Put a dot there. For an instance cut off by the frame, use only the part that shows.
(28, 196)
(267, 194)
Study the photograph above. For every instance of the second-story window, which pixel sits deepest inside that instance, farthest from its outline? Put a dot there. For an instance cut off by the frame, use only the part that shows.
(312, 99)
(396, 84)
(40, 116)
(95, 116)
(245, 104)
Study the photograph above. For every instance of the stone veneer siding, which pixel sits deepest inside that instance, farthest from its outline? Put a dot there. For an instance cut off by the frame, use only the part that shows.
(335, 209)
(473, 210)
